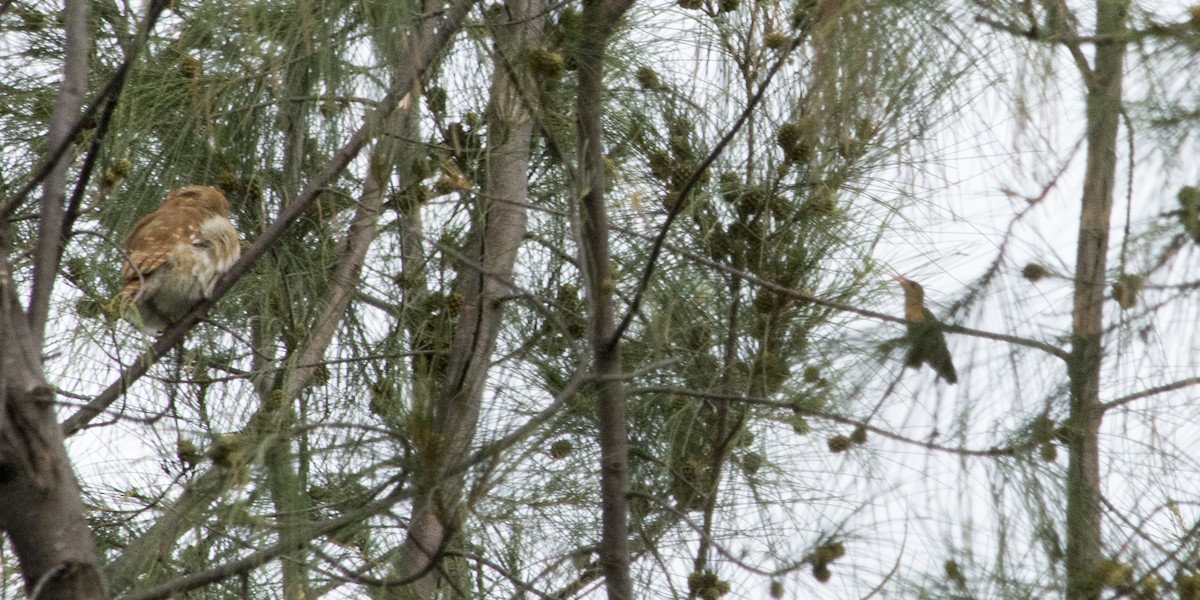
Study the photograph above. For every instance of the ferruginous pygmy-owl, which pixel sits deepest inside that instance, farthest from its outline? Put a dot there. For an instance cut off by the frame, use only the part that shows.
(176, 254)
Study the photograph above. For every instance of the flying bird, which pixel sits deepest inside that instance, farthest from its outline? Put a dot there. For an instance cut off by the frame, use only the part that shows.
(926, 342)
(175, 255)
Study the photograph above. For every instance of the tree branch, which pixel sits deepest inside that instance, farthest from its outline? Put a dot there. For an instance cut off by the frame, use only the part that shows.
(63, 121)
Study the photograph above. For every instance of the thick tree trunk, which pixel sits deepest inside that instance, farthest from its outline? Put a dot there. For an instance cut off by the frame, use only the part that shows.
(498, 231)
(602, 16)
(1084, 543)
(42, 512)
(40, 506)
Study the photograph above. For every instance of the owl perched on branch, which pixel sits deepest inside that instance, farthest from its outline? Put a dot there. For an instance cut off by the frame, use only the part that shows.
(176, 254)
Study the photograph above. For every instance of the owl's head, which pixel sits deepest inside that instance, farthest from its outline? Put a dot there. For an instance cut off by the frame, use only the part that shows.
(199, 196)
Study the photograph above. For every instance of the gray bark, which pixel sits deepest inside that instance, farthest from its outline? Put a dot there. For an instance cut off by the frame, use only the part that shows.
(63, 123)
(42, 512)
(1084, 542)
(603, 16)
(492, 253)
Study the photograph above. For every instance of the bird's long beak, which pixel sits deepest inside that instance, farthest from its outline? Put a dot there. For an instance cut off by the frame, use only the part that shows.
(900, 278)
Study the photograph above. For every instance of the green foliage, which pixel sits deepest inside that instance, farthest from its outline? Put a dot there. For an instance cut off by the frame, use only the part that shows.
(707, 585)
(256, 97)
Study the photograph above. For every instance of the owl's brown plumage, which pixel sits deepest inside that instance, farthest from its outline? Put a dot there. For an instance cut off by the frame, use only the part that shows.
(177, 253)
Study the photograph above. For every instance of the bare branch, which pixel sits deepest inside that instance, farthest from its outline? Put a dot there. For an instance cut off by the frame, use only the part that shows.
(1154, 391)
(63, 121)
(836, 418)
